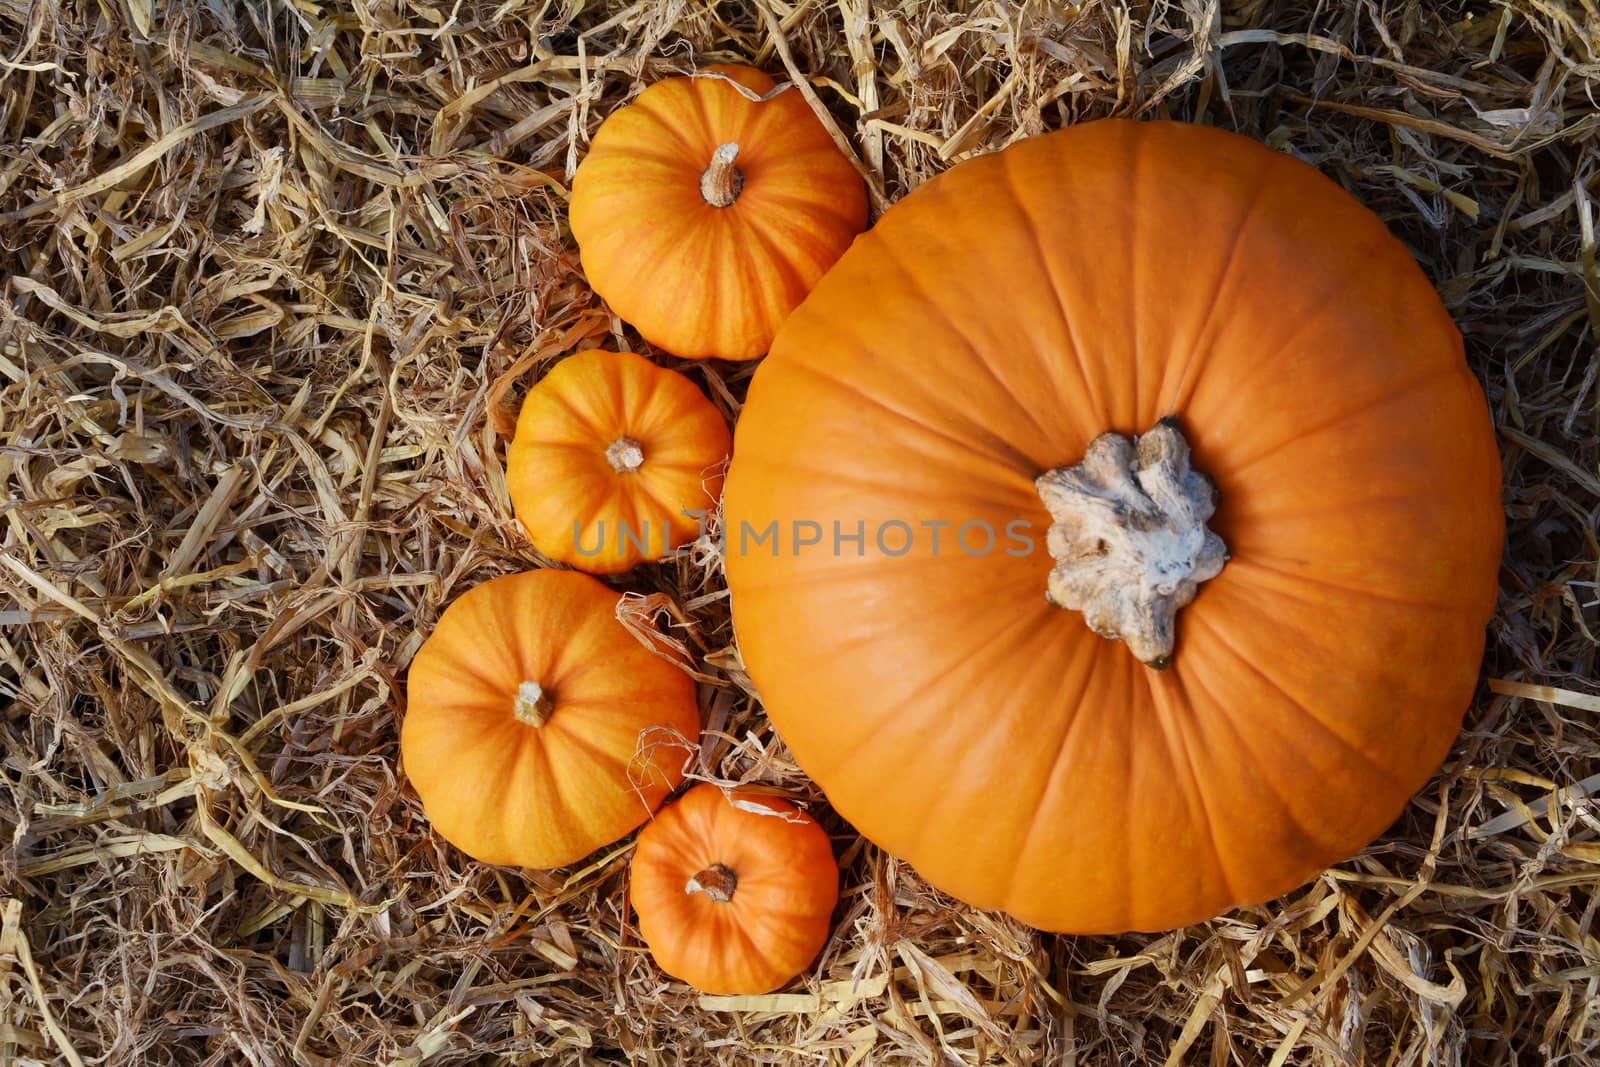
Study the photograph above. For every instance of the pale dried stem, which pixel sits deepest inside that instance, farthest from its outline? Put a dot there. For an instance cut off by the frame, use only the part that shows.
(716, 881)
(625, 455)
(1129, 537)
(721, 182)
(534, 705)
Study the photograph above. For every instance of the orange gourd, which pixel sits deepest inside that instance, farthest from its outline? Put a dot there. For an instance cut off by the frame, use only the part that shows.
(1297, 604)
(537, 728)
(704, 214)
(612, 459)
(733, 895)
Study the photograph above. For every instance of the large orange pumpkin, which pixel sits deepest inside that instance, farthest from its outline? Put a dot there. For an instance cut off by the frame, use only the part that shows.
(537, 728)
(921, 475)
(704, 216)
(734, 894)
(612, 459)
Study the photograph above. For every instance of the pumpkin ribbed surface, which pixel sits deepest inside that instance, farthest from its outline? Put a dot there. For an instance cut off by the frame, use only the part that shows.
(698, 279)
(733, 893)
(612, 460)
(537, 728)
(987, 330)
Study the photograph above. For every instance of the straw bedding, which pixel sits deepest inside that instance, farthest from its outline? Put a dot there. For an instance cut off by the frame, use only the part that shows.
(275, 278)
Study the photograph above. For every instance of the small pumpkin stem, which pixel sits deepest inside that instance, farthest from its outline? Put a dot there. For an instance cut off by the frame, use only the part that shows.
(534, 706)
(716, 881)
(625, 455)
(721, 182)
(1130, 539)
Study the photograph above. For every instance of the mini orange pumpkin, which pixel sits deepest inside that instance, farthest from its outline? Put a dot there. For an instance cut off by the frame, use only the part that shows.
(704, 216)
(612, 456)
(537, 728)
(946, 423)
(733, 896)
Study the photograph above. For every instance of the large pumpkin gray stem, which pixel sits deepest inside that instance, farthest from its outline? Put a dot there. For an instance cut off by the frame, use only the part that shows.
(1129, 537)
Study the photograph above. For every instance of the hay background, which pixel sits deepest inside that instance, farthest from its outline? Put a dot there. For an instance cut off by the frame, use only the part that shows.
(275, 277)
